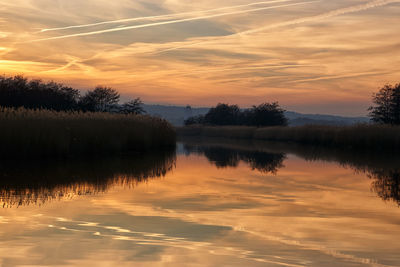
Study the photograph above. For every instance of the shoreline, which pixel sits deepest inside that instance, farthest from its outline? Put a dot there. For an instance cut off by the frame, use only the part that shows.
(357, 137)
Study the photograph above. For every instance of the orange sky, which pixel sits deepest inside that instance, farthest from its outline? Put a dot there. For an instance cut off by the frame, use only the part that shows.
(311, 56)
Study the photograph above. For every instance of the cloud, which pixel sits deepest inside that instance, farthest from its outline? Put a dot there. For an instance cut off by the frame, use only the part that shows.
(338, 12)
(117, 29)
(167, 16)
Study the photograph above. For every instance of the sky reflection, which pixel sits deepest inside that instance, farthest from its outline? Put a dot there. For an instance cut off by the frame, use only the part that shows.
(307, 213)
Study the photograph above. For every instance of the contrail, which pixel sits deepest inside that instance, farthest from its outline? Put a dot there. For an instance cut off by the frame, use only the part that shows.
(338, 12)
(165, 22)
(160, 16)
(333, 13)
(340, 76)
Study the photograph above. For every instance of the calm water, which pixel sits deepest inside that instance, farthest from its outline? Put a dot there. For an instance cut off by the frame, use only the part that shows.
(214, 203)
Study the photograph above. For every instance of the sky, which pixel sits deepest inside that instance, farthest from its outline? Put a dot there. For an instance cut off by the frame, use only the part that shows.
(313, 56)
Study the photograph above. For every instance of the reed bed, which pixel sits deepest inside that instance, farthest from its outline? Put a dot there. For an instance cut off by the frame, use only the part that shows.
(362, 136)
(46, 133)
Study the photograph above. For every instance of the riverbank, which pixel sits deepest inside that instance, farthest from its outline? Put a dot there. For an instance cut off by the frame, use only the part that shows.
(44, 133)
(360, 137)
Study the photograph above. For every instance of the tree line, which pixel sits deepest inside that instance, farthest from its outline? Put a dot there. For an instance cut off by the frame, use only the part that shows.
(17, 91)
(266, 114)
(386, 110)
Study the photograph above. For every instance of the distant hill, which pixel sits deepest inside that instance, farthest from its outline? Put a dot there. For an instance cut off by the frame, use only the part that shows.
(298, 119)
(174, 114)
(177, 114)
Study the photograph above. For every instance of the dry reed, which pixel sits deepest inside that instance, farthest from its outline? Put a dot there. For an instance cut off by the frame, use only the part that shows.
(44, 133)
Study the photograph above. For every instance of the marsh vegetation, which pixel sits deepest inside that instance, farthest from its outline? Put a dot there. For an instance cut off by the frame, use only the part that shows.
(46, 133)
(267, 122)
(48, 119)
(360, 137)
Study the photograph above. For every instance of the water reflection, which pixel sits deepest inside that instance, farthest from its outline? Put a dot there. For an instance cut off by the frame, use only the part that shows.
(225, 156)
(225, 203)
(36, 182)
(25, 183)
(381, 167)
(268, 157)
(386, 184)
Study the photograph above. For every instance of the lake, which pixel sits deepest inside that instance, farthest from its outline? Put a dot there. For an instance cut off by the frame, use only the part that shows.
(210, 203)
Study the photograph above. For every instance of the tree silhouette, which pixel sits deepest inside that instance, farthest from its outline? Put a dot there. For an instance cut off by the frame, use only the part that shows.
(266, 114)
(133, 107)
(387, 105)
(223, 114)
(19, 92)
(102, 99)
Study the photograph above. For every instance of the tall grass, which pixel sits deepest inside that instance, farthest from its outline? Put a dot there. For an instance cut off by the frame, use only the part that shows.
(44, 133)
(363, 136)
